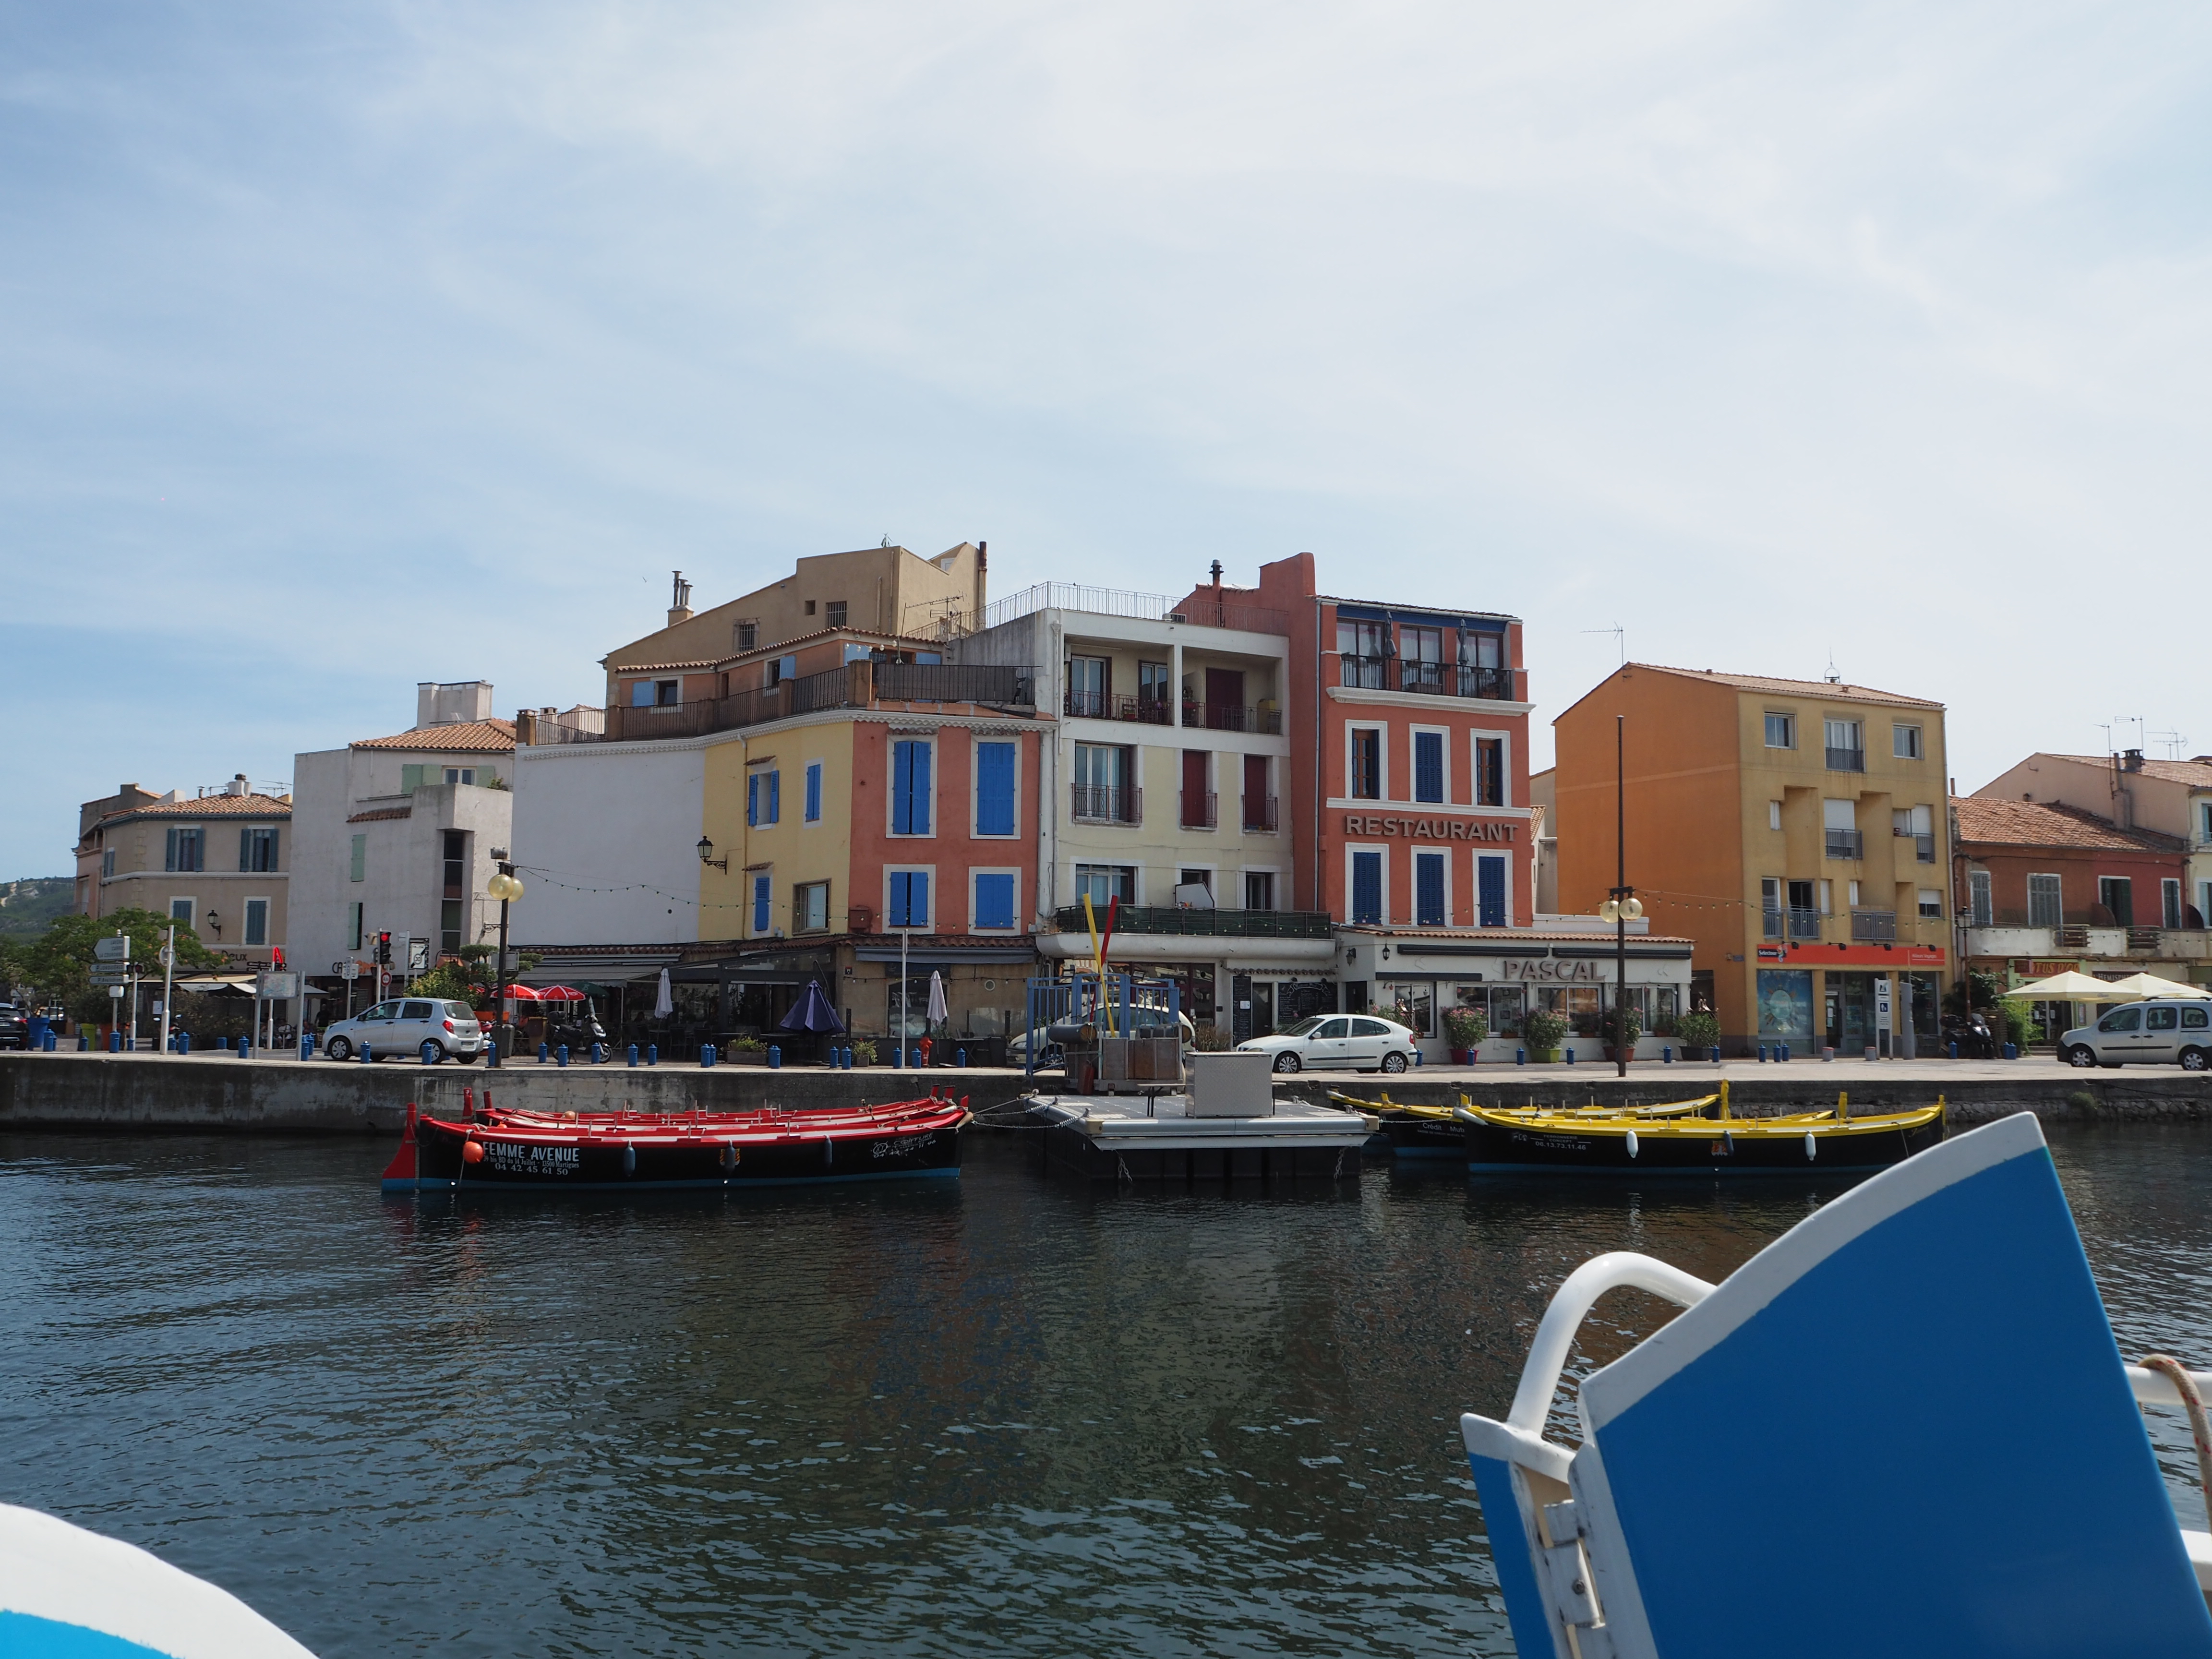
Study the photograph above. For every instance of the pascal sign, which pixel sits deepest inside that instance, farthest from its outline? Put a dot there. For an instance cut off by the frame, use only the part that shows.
(1357, 823)
(1553, 971)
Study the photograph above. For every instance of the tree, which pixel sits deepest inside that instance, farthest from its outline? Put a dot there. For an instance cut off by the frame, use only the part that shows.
(59, 962)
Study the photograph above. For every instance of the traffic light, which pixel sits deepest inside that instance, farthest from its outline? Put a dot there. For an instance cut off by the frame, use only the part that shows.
(384, 949)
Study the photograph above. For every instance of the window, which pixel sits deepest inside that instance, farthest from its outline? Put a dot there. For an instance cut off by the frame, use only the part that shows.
(764, 892)
(257, 850)
(1490, 890)
(810, 907)
(108, 863)
(1367, 887)
(1780, 731)
(748, 635)
(1102, 788)
(994, 899)
(186, 850)
(460, 775)
(1090, 681)
(1428, 766)
(1905, 742)
(2121, 1019)
(909, 899)
(1420, 658)
(781, 669)
(835, 614)
(1774, 815)
(1490, 771)
(2204, 821)
(814, 791)
(994, 789)
(1429, 890)
(1978, 907)
(2044, 909)
(360, 857)
(2169, 894)
(353, 927)
(1846, 750)
(1366, 763)
(1259, 889)
(410, 779)
(1153, 702)
(2161, 1019)
(2118, 895)
(910, 795)
(2196, 1019)
(809, 607)
(1827, 897)
(180, 909)
(1100, 883)
(1365, 649)
(2204, 905)
(1855, 894)
(653, 693)
(1931, 902)
(1839, 823)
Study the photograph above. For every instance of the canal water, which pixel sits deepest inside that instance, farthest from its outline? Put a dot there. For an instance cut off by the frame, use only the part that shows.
(1003, 1416)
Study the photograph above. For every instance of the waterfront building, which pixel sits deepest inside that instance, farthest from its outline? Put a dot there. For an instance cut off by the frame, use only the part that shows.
(218, 862)
(2043, 887)
(1794, 828)
(398, 834)
(2171, 796)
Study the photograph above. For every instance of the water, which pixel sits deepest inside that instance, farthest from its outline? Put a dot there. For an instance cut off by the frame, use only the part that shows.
(1003, 1416)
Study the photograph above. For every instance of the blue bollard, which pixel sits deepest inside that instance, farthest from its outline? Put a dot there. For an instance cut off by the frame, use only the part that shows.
(2012, 1051)
(306, 1045)
(1666, 1054)
(1520, 1056)
(244, 1049)
(115, 1042)
(652, 1053)
(1782, 1051)
(491, 1056)
(1571, 1052)
(706, 1055)
(50, 1039)
(367, 1057)
(223, 1043)
(960, 1058)
(598, 1054)
(775, 1056)
(1713, 1053)
(1417, 1056)
(84, 1042)
(430, 1053)
(561, 1054)
(633, 1053)
(1954, 1050)
(1762, 1053)
(544, 1053)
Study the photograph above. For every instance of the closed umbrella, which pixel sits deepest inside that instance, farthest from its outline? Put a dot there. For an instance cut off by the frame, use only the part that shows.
(937, 1011)
(812, 1012)
(665, 1003)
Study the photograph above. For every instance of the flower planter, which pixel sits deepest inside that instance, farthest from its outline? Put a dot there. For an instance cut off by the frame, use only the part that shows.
(1548, 1056)
(1461, 1057)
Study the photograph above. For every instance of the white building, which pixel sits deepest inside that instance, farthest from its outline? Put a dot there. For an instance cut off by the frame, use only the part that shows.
(397, 834)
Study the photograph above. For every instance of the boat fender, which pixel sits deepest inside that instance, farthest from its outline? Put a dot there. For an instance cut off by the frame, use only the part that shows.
(468, 1103)
(729, 1156)
(1727, 1141)
(472, 1151)
(630, 1160)
(1631, 1142)
(1811, 1147)
(964, 1102)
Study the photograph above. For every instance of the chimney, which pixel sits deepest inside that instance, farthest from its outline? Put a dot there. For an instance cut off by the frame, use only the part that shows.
(452, 703)
(1214, 570)
(679, 609)
(982, 577)
(237, 785)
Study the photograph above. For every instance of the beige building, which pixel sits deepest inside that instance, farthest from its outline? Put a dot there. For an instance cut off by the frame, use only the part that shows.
(218, 862)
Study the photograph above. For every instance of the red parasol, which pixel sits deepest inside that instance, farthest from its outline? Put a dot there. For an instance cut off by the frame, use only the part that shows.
(520, 993)
(561, 993)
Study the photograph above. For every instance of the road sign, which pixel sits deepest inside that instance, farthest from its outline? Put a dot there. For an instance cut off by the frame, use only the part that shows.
(278, 987)
(352, 970)
(418, 956)
(114, 948)
(115, 991)
(111, 976)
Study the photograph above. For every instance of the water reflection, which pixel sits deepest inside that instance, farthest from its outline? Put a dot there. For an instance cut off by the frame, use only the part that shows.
(1003, 1416)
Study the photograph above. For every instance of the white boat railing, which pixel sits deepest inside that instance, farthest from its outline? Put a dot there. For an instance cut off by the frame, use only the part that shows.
(1616, 1270)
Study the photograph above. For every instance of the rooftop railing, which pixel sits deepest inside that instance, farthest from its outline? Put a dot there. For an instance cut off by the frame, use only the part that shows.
(1434, 679)
(854, 685)
(1138, 607)
(1218, 924)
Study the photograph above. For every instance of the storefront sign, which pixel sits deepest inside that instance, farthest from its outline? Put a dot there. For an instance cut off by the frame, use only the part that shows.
(1555, 970)
(2028, 969)
(1356, 823)
(1858, 955)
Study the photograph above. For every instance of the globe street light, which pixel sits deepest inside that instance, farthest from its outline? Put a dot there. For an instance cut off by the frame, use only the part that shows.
(506, 889)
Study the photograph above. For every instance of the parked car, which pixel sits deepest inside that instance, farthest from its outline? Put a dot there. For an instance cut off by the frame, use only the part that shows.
(400, 1027)
(1358, 1042)
(15, 1027)
(2159, 1032)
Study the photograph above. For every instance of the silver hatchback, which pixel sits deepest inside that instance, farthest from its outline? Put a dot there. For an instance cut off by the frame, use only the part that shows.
(398, 1028)
(2162, 1032)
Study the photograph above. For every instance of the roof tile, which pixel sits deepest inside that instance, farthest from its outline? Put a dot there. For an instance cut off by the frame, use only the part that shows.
(1997, 822)
(489, 737)
(1836, 690)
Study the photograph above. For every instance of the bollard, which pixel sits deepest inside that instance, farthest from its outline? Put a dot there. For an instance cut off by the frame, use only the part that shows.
(633, 1053)
(84, 1042)
(1954, 1048)
(366, 1056)
(847, 1053)
(491, 1056)
(1666, 1054)
(561, 1054)
(1827, 1051)
(2012, 1051)
(50, 1039)
(306, 1045)
(1417, 1056)
(775, 1056)
(706, 1055)
(1520, 1056)
(652, 1053)
(1762, 1053)
(1570, 1049)
(598, 1054)
(1872, 1053)
(429, 1052)
(1713, 1053)
(223, 1043)
(115, 1042)
(244, 1049)
(1782, 1051)
(544, 1053)
(960, 1058)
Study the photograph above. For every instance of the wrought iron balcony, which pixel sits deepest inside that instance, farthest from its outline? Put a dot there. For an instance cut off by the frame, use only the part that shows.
(1434, 679)
(1098, 804)
(1232, 717)
(1200, 809)
(1874, 925)
(1143, 709)
(1260, 814)
(1845, 844)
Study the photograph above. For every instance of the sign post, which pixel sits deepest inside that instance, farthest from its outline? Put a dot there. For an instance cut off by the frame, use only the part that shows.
(1881, 1021)
(115, 951)
(168, 981)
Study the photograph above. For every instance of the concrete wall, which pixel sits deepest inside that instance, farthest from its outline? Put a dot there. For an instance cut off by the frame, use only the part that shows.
(609, 833)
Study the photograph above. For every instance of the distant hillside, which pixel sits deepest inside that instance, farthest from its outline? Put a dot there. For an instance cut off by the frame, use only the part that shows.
(27, 907)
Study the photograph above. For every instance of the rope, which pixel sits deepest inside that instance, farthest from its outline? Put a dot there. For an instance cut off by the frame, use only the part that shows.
(2178, 1374)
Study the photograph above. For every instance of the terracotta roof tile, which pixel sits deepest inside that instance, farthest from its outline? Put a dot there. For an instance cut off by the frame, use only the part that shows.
(2196, 773)
(1995, 822)
(1840, 693)
(461, 737)
(377, 815)
(205, 807)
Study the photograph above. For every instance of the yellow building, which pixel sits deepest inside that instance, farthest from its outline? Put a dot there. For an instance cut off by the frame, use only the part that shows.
(1795, 828)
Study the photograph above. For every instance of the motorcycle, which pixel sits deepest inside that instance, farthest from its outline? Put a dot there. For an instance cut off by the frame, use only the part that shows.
(1972, 1034)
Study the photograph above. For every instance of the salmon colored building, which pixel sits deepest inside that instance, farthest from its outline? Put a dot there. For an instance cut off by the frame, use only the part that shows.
(1795, 830)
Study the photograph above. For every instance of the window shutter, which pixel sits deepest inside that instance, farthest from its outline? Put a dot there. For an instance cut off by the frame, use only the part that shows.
(922, 807)
(170, 862)
(910, 788)
(1367, 887)
(814, 792)
(410, 779)
(918, 897)
(1429, 874)
(760, 904)
(994, 901)
(752, 798)
(775, 797)
(1492, 880)
(1428, 766)
(994, 789)
(360, 855)
(245, 851)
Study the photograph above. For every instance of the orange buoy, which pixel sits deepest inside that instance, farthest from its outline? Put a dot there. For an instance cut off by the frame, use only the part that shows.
(472, 1151)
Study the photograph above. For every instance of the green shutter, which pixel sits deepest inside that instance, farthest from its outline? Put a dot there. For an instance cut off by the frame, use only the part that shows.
(360, 855)
(410, 779)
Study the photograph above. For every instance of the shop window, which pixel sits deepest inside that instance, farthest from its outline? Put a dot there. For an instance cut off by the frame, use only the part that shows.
(1412, 1003)
(810, 907)
(1785, 1005)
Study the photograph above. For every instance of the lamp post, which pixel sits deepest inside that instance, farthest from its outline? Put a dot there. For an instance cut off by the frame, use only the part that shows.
(1622, 906)
(506, 889)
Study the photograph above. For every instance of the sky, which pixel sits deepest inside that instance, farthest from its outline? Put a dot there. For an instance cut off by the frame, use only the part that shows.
(349, 345)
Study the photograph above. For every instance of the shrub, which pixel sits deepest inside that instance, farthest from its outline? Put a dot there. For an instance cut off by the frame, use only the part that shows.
(863, 1051)
(1465, 1027)
(1544, 1029)
(1699, 1030)
(1623, 1024)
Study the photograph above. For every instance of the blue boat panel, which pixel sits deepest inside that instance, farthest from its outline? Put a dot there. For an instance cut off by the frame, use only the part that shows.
(1916, 1415)
(27, 1636)
(1513, 1553)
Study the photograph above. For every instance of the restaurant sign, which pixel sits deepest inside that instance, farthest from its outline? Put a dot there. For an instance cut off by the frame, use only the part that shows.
(1356, 823)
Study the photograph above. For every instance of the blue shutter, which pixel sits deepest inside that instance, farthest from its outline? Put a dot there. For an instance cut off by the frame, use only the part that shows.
(1429, 890)
(897, 906)
(1491, 882)
(910, 788)
(918, 894)
(1428, 766)
(775, 797)
(760, 904)
(922, 808)
(245, 851)
(814, 792)
(994, 901)
(752, 798)
(170, 863)
(1367, 887)
(994, 789)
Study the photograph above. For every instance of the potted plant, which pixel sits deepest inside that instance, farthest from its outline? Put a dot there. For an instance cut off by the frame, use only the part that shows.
(1465, 1028)
(863, 1051)
(1622, 1025)
(1544, 1030)
(1699, 1031)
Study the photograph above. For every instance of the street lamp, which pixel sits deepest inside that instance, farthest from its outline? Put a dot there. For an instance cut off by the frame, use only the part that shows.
(506, 889)
(707, 855)
(1621, 905)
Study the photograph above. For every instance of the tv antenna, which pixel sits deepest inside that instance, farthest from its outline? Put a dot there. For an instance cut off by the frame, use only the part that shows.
(1620, 638)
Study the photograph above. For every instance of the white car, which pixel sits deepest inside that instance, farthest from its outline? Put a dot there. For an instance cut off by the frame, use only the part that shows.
(1342, 1041)
(2159, 1032)
(398, 1030)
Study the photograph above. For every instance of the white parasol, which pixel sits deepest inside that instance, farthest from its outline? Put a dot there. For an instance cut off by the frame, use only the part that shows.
(665, 1003)
(937, 1011)
(2151, 984)
(2073, 986)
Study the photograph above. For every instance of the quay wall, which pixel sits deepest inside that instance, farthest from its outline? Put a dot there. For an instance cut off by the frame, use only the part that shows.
(221, 1094)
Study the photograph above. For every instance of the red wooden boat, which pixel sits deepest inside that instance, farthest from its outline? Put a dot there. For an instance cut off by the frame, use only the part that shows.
(514, 1150)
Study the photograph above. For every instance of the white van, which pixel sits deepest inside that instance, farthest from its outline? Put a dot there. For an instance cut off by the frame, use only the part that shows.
(2159, 1032)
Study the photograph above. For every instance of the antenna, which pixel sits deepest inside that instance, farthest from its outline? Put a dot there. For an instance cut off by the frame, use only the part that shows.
(1619, 635)
(1832, 677)
(2175, 742)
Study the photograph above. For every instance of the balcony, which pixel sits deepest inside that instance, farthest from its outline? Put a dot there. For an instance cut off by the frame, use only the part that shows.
(1434, 679)
(854, 685)
(1098, 804)
(1845, 844)
(1873, 926)
(1792, 924)
(1200, 809)
(1232, 717)
(1142, 709)
(1216, 924)
(1923, 848)
(1847, 760)
(1259, 815)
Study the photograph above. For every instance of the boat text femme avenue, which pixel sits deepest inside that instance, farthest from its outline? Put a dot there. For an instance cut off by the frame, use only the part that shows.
(511, 1151)
(1684, 1137)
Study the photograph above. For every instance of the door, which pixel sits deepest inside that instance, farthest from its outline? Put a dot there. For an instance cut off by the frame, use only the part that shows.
(2118, 895)
(378, 1028)
(1258, 805)
(415, 1025)
(1370, 1037)
(2161, 1033)
(1327, 1046)
(2118, 1033)
(1224, 699)
(1197, 798)
(1088, 686)
(1263, 1009)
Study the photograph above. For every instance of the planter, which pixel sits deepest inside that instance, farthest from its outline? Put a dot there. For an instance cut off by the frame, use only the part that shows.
(1548, 1056)
(1462, 1057)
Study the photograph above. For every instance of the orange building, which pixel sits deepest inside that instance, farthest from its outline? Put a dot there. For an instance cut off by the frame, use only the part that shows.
(1810, 873)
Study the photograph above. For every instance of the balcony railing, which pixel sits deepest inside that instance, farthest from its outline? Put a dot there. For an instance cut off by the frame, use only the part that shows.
(1218, 924)
(1200, 809)
(1148, 607)
(1845, 844)
(1923, 848)
(1871, 925)
(854, 685)
(1434, 679)
(1260, 814)
(1847, 760)
(1233, 717)
(1792, 924)
(1144, 709)
(1095, 803)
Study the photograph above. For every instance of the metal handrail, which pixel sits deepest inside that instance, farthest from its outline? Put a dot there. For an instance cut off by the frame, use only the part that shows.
(1265, 821)
(1845, 844)
(1847, 760)
(1104, 803)
(1201, 809)
(1871, 924)
(1216, 923)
